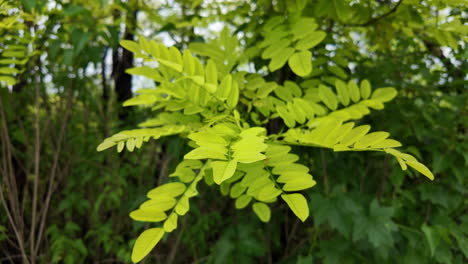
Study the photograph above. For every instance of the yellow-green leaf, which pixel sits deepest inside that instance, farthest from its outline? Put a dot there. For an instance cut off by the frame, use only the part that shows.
(299, 184)
(342, 90)
(182, 206)
(310, 40)
(223, 170)
(171, 223)
(160, 202)
(354, 92)
(225, 88)
(370, 139)
(328, 97)
(384, 94)
(146, 242)
(298, 204)
(280, 59)
(105, 145)
(365, 89)
(233, 97)
(301, 63)
(130, 45)
(421, 168)
(172, 189)
(276, 48)
(262, 211)
(243, 201)
(148, 215)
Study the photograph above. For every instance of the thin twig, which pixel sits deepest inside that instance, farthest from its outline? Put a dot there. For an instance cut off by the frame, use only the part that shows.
(14, 216)
(37, 152)
(324, 171)
(377, 18)
(53, 171)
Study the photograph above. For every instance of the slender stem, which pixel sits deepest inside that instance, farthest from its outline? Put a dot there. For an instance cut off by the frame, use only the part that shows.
(377, 18)
(37, 152)
(324, 171)
(54, 170)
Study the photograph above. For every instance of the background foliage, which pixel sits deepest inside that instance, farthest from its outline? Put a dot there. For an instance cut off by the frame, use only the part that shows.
(63, 81)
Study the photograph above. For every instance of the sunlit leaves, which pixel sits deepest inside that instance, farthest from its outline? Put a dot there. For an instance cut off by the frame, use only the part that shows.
(290, 43)
(223, 114)
(250, 146)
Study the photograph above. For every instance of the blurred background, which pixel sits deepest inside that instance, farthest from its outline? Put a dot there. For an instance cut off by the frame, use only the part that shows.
(63, 80)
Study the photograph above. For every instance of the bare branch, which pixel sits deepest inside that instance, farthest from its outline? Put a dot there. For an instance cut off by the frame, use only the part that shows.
(377, 18)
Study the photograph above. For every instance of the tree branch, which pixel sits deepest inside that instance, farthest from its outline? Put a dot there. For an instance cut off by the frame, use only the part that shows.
(377, 18)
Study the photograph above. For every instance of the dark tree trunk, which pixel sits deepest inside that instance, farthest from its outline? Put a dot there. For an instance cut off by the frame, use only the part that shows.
(122, 59)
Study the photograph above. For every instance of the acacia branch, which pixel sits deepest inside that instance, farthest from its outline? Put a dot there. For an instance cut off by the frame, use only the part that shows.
(377, 18)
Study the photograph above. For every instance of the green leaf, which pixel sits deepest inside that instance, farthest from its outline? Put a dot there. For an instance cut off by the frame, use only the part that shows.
(276, 48)
(262, 211)
(354, 135)
(144, 99)
(371, 139)
(120, 146)
(224, 89)
(431, 238)
(280, 59)
(223, 170)
(354, 92)
(233, 97)
(243, 201)
(161, 203)
(237, 190)
(173, 65)
(171, 223)
(365, 89)
(105, 145)
(211, 76)
(342, 9)
(328, 97)
(387, 143)
(148, 215)
(311, 40)
(209, 152)
(289, 168)
(130, 145)
(301, 63)
(342, 90)
(147, 72)
(172, 189)
(251, 145)
(421, 168)
(268, 192)
(188, 63)
(8, 80)
(384, 94)
(299, 184)
(130, 45)
(298, 204)
(287, 117)
(146, 242)
(7, 70)
(182, 206)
